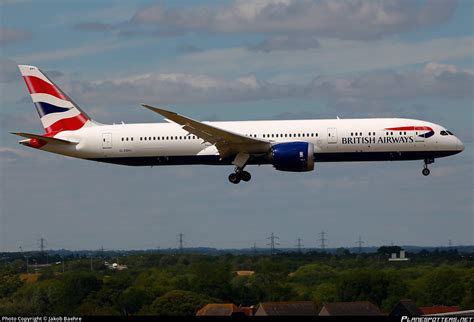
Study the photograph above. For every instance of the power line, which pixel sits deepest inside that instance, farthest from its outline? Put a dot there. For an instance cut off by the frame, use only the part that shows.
(181, 242)
(359, 243)
(299, 245)
(42, 244)
(323, 240)
(273, 243)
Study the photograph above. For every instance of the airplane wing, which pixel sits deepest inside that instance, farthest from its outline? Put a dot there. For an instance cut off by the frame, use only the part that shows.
(227, 143)
(43, 138)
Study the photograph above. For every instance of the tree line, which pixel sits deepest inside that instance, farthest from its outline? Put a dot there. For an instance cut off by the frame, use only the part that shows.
(158, 284)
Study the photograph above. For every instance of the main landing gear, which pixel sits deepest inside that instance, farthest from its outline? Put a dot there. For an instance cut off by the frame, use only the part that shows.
(239, 175)
(240, 161)
(426, 171)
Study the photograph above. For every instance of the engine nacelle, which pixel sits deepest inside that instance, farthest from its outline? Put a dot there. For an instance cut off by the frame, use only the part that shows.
(293, 156)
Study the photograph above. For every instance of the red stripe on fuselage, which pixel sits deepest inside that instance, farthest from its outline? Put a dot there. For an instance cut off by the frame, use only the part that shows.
(38, 86)
(410, 128)
(68, 124)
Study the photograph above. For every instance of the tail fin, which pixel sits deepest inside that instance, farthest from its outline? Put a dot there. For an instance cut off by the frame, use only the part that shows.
(56, 110)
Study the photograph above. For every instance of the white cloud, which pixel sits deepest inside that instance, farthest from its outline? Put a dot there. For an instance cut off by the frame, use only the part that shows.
(175, 87)
(333, 57)
(437, 69)
(433, 80)
(363, 20)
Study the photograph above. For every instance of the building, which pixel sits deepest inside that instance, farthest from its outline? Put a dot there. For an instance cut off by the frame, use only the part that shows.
(227, 309)
(245, 273)
(402, 257)
(406, 308)
(115, 266)
(437, 309)
(287, 309)
(469, 313)
(363, 308)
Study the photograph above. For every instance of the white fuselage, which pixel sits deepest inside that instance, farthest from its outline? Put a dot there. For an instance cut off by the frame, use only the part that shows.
(334, 140)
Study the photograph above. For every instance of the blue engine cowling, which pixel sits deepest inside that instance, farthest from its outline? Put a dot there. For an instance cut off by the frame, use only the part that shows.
(293, 156)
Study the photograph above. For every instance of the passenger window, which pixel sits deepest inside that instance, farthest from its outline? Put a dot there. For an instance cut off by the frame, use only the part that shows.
(131, 139)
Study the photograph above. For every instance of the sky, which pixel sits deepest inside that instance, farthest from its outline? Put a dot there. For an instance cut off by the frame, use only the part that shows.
(238, 60)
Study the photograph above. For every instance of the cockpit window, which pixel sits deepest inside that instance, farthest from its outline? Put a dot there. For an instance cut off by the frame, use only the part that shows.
(450, 133)
(443, 133)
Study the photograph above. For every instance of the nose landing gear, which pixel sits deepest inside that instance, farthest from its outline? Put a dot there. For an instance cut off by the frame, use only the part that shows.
(426, 171)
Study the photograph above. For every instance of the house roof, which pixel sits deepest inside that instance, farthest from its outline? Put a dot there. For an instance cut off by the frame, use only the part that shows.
(409, 306)
(439, 309)
(287, 308)
(352, 308)
(213, 309)
(245, 273)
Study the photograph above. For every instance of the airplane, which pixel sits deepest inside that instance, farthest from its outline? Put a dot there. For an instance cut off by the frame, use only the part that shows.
(288, 145)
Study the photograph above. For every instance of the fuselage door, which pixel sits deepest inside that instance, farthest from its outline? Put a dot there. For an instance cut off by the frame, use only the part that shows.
(418, 135)
(332, 135)
(106, 141)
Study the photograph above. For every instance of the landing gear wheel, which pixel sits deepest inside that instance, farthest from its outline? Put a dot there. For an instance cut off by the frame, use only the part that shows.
(245, 176)
(426, 171)
(234, 178)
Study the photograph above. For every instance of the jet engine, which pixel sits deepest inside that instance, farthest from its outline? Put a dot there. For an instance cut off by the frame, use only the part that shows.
(293, 156)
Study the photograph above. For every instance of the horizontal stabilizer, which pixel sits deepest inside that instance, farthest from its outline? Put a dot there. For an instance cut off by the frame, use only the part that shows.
(43, 138)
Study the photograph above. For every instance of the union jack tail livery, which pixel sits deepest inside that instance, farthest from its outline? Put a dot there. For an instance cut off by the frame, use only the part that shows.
(56, 110)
